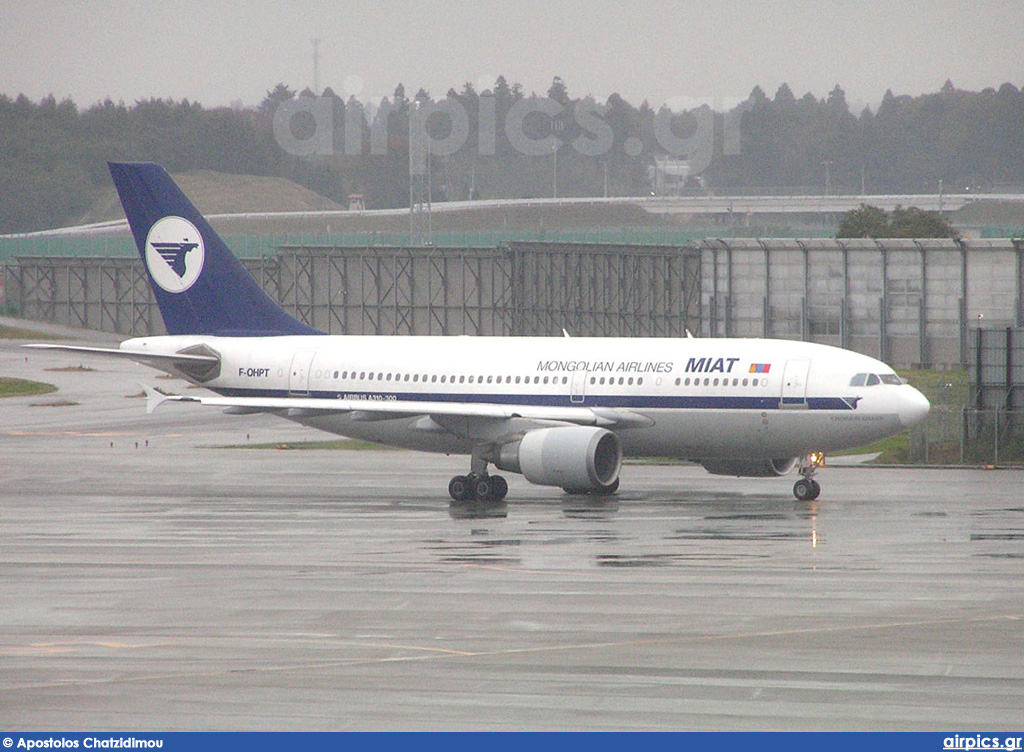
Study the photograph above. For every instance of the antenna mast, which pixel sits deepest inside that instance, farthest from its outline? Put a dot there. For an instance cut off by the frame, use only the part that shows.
(316, 66)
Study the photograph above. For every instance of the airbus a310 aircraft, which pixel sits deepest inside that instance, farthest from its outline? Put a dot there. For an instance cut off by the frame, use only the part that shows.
(563, 412)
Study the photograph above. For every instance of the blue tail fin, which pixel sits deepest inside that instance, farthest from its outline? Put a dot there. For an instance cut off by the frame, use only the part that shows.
(200, 287)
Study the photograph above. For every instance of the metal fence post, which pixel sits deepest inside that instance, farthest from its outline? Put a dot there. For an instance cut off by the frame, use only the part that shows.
(995, 440)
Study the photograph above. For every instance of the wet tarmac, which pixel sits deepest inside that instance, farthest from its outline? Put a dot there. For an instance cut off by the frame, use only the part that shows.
(153, 580)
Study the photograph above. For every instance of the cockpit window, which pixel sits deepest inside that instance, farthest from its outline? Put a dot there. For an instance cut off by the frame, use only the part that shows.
(891, 378)
(873, 379)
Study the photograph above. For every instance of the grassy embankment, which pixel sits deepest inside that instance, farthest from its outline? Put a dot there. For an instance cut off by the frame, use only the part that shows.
(23, 388)
(11, 387)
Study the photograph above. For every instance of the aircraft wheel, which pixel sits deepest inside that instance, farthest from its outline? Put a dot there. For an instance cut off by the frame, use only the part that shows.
(459, 488)
(815, 490)
(803, 490)
(608, 490)
(499, 487)
(482, 488)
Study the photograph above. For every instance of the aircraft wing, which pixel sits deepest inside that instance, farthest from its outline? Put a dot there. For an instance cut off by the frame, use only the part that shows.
(156, 360)
(370, 410)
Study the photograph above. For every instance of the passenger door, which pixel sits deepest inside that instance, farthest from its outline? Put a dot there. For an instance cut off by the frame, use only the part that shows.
(794, 384)
(578, 388)
(298, 377)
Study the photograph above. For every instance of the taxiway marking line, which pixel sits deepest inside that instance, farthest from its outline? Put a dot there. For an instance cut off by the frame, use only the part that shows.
(428, 653)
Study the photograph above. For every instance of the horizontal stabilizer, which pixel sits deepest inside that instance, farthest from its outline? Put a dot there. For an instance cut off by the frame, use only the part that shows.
(186, 362)
(154, 398)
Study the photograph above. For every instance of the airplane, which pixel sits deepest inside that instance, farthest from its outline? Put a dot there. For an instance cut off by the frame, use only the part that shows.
(561, 411)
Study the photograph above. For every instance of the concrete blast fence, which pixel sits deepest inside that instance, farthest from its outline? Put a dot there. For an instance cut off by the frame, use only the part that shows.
(909, 302)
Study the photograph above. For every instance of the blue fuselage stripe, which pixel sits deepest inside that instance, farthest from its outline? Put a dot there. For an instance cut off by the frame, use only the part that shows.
(664, 402)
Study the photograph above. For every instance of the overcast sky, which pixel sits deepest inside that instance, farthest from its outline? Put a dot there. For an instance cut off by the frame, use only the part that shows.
(660, 50)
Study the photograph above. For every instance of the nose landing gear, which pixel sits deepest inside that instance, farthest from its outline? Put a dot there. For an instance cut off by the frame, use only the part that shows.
(808, 489)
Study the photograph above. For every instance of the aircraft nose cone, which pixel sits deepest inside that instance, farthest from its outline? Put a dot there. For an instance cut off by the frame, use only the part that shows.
(913, 406)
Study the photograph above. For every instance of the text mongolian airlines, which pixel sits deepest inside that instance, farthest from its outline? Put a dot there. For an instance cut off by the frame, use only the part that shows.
(562, 412)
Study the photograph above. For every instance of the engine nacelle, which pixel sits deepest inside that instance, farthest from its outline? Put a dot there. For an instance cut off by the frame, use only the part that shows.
(750, 468)
(575, 458)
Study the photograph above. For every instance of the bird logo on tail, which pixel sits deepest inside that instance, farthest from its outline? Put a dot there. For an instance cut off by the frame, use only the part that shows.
(174, 253)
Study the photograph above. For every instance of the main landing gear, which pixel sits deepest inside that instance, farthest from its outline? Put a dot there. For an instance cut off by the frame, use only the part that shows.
(808, 489)
(478, 485)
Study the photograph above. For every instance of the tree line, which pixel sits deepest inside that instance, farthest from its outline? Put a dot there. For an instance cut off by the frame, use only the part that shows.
(872, 222)
(504, 143)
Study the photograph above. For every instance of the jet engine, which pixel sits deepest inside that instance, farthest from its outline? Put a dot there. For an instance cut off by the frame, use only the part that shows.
(577, 458)
(750, 468)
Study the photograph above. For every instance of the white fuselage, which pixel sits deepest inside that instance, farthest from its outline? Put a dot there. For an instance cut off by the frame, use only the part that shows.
(694, 398)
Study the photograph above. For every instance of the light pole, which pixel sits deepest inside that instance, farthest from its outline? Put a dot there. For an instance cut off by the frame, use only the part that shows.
(554, 169)
(556, 127)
